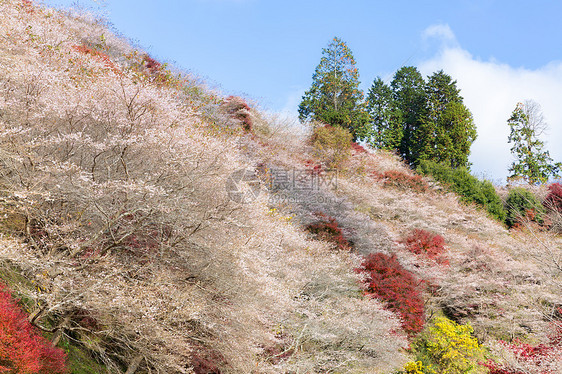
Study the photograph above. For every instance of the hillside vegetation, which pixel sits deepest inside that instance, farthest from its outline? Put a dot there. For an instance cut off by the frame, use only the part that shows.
(150, 225)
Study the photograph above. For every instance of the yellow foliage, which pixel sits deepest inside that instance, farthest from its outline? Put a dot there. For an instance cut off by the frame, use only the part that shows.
(274, 212)
(449, 348)
(414, 367)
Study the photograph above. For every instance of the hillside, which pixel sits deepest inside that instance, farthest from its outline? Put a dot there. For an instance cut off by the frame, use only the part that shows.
(150, 225)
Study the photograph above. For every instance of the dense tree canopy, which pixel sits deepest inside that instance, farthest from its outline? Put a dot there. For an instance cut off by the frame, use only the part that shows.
(409, 96)
(421, 120)
(335, 97)
(446, 130)
(386, 130)
(532, 162)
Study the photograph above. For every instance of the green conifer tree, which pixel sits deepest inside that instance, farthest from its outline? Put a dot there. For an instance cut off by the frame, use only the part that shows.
(446, 129)
(409, 96)
(334, 97)
(532, 162)
(386, 130)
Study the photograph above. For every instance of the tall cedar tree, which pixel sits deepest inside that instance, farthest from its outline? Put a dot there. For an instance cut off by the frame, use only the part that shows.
(423, 121)
(335, 97)
(446, 129)
(409, 96)
(532, 162)
(386, 130)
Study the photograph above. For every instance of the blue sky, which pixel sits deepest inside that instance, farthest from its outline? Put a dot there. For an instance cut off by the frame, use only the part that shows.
(501, 52)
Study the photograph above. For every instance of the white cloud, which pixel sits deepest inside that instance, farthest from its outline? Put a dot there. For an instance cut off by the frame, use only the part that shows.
(441, 32)
(491, 91)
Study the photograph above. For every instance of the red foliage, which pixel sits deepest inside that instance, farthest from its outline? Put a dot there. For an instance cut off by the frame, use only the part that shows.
(529, 353)
(399, 179)
(531, 220)
(388, 281)
(145, 241)
(358, 148)
(206, 360)
(85, 319)
(100, 56)
(539, 357)
(22, 349)
(132, 236)
(313, 168)
(554, 198)
(556, 332)
(157, 72)
(28, 6)
(278, 352)
(153, 66)
(422, 242)
(317, 169)
(531, 215)
(240, 110)
(495, 368)
(327, 229)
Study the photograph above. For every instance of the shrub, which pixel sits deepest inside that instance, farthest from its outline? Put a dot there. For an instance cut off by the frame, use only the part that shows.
(470, 188)
(153, 66)
(399, 179)
(313, 168)
(492, 202)
(539, 359)
(332, 145)
(556, 332)
(239, 110)
(413, 367)
(493, 368)
(553, 200)
(358, 148)
(206, 360)
(28, 6)
(553, 204)
(388, 281)
(98, 55)
(447, 347)
(522, 205)
(279, 351)
(156, 72)
(22, 349)
(327, 229)
(422, 242)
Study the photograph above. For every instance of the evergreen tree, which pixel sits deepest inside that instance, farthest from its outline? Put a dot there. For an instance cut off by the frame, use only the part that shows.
(446, 129)
(386, 130)
(429, 119)
(409, 96)
(532, 162)
(335, 97)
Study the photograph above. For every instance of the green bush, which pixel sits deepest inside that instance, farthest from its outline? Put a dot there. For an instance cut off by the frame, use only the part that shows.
(470, 188)
(332, 145)
(521, 204)
(446, 347)
(493, 202)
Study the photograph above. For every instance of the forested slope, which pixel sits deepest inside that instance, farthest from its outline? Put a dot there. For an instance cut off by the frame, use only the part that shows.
(151, 225)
